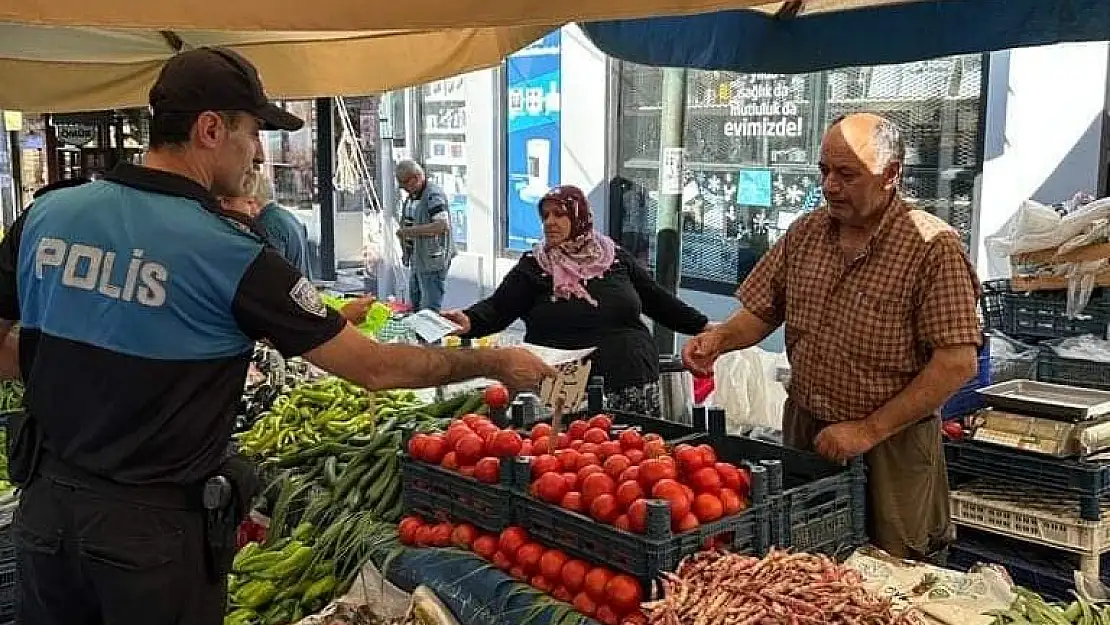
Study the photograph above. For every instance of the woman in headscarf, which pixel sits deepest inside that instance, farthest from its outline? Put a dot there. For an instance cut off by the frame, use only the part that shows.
(578, 289)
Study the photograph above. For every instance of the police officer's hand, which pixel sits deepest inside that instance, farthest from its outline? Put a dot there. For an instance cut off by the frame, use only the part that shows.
(355, 310)
(520, 369)
(700, 352)
(458, 318)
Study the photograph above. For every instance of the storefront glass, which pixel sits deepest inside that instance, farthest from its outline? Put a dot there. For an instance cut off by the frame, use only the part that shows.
(443, 110)
(752, 144)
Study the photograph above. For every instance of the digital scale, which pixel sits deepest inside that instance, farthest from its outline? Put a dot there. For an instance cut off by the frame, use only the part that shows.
(1050, 419)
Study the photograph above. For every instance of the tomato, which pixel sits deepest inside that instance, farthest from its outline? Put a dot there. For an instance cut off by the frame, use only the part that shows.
(472, 420)
(953, 430)
(551, 487)
(568, 458)
(416, 446)
(573, 501)
(623, 523)
(502, 561)
(562, 441)
(674, 494)
(574, 575)
(450, 461)
(464, 535)
(631, 439)
(584, 604)
(586, 459)
(651, 471)
(488, 470)
(511, 539)
(407, 529)
(544, 463)
(435, 448)
(627, 492)
(652, 436)
(690, 494)
(572, 480)
(637, 516)
(576, 445)
(607, 616)
(577, 429)
(654, 448)
(596, 580)
(486, 431)
(441, 535)
(595, 436)
(552, 563)
(708, 508)
(688, 522)
(540, 431)
(422, 537)
(597, 484)
(745, 489)
(623, 594)
(604, 508)
(708, 454)
(587, 471)
(601, 422)
(542, 447)
(615, 465)
(689, 458)
(518, 574)
(562, 594)
(706, 480)
(730, 502)
(730, 475)
(608, 449)
(485, 546)
(456, 432)
(506, 443)
(528, 557)
(636, 456)
(496, 396)
(631, 473)
(539, 582)
(469, 448)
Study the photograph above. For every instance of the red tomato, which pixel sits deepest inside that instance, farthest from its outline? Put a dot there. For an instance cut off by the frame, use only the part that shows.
(470, 448)
(608, 449)
(551, 487)
(472, 420)
(673, 493)
(615, 465)
(539, 582)
(441, 535)
(511, 539)
(552, 563)
(562, 594)
(502, 561)
(652, 436)
(651, 471)
(595, 436)
(568, 458)
(450, 461)
(730, 475)
(422, 537)
(623, 523)
(577, 429)
(542, 447)
(416, 445)
(573, 501)
(518, 574)
(584, 604)
(708, 454)
(708, 508)
(544, 463)
(588, 448)
(488, 470)
(604, 508)
(467, 470)
(706, 480)
(485, 546)
(631, 473)
(407, 529)
(597, 484)
(456, 432)
(574, 575)
(496, 396)
(562, 441)
(601, 422)
(688, 522)
(607, 616)
(636, 456)
(506, 443)
(464, 535)
(689, 459)
(623, 594)
(576, 445)
(631, 439)
(637, 515)
(540, 431)
(586, 459)
(690, 494)
(435, 448)
(572, 480)
(628, 492)
(730, 501)
(528, 557)
(587, 471)
(596, 580)
(654, 448)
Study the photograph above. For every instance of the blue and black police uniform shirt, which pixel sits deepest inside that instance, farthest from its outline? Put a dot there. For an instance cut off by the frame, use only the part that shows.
(140, 306)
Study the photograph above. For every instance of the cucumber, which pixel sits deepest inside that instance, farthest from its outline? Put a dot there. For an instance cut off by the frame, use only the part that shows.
(330, 476)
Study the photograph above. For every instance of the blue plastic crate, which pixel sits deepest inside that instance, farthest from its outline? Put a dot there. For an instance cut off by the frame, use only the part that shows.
(1088, 480)
(433, 492)
(1040, 569)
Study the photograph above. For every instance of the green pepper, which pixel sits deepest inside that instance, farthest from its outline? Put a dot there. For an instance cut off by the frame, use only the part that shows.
(248, 550)
(320, 589)
(290, 566)
(255, 593)
(242, 616)
(305, 531)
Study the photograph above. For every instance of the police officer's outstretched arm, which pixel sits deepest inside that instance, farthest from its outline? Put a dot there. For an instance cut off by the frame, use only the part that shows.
(275, 303)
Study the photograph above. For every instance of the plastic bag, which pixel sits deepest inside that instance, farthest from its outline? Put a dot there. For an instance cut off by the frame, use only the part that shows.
(1081, 282)
(747, 389)
(1010, 359)
(1086, 347)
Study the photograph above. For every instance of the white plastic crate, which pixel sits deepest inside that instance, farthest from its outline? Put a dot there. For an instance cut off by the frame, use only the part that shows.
(1034, 515)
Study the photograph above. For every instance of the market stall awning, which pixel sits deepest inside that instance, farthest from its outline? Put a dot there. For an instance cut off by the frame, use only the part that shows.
(823, 34)
(60, 69)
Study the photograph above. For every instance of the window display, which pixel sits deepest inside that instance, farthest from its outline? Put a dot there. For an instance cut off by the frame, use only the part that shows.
(443, 110)
(752, 146)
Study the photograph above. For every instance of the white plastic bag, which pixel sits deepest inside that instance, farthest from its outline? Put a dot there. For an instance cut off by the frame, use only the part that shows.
(745, 385)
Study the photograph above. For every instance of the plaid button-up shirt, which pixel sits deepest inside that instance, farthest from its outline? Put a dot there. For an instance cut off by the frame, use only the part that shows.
(858, 331)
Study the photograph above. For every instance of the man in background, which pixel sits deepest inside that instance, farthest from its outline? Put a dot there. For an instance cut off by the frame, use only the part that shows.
(279, 225)
(426, 237)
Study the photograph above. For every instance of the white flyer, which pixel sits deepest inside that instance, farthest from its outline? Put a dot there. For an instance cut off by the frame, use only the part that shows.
(430, 326)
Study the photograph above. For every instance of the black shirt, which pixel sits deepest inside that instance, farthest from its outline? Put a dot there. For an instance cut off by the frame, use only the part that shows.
(626, 354)
(139, 307)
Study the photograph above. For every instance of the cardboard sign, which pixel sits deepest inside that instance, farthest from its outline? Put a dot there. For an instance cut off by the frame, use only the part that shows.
(567, 391)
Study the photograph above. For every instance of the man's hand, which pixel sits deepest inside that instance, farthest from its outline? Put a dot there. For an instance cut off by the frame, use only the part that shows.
(520, 369)
(700, 352)
(403, 234)
(458, 318)
(355, 310)
(840, 442)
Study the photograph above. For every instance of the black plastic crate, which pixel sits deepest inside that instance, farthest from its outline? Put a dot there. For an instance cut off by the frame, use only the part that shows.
(1088, 480)
(1073, 371)
(436, 493)
(646, 555)
(1042, 314)
(819, 506)
(1035, 567)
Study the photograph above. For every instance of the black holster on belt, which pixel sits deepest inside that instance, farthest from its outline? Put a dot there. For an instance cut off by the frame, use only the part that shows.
(25, 447)
(227, 497)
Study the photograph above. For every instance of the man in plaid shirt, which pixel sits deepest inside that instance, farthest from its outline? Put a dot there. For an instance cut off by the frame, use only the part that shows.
(879, 303)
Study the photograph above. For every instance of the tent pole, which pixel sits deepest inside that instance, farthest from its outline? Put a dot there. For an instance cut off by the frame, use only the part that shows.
(668, 220)
(325, 172)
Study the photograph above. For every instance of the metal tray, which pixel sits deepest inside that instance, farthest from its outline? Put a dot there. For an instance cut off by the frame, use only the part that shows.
(1043, 399)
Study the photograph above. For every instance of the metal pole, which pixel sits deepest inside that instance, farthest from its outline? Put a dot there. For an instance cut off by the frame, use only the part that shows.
(387, 282)
(668, 220)
(325, 168)
(16, 154)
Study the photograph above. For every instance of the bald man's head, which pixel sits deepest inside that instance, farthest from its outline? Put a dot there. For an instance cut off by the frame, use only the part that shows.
(861, 164)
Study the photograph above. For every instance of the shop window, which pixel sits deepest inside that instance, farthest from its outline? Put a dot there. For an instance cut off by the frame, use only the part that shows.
(752, 145)
(443, 131)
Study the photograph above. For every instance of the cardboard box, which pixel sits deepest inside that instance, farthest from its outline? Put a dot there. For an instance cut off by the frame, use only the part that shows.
(1046, 270)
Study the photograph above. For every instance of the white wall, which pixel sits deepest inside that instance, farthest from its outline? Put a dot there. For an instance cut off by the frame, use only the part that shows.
(1045, 108)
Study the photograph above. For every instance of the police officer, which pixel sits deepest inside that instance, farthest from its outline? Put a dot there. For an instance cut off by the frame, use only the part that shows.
(139, 305)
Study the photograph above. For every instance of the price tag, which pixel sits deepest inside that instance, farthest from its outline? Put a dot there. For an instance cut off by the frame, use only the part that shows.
(568, 389)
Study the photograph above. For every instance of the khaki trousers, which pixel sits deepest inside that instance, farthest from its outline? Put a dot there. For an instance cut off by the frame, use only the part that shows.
(907, 484)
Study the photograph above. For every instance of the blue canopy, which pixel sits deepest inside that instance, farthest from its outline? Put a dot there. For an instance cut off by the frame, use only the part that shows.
(754, 41)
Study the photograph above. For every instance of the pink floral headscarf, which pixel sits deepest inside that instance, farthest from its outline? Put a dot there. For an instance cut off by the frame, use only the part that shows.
(585, 255)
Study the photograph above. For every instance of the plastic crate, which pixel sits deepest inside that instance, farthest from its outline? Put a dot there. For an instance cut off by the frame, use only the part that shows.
(436, 493)
(641, 555)
(1031, 566)
(1087, 480)
(1041, 314)
(1073, 371)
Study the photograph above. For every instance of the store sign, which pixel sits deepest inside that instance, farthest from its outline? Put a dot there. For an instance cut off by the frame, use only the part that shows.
(534, 78)
(763, 105)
